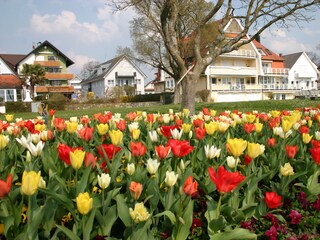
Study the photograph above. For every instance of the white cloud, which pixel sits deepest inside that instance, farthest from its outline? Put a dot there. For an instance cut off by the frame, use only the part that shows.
(286, 45)
(66, 23)
(79, 61)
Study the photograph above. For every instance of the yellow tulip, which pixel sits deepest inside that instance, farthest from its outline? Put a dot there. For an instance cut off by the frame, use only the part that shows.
(72, 127)
(275, 113)
(186, 112)
(9, 117)
(186, 127)
(236, 146)
(136, 133)
(287, 124)
(76, 158)
(40, 127)
(102, 128)
(309, 123)
(1, 228)
(306, 138)
(84, 203)
(30, 182)
(139, 213)
(3, 141)
(213, 112)
(254, 150)
(258, 127)
(116, 137)
(286, 170)
(211, 127)
(250, 118)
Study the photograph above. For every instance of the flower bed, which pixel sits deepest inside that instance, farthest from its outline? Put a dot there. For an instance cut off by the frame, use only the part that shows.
(162, 176)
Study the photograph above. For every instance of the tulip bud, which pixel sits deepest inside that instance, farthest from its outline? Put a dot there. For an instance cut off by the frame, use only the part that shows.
(131, 169)
(171, 178)
(42, 183)
(152, 166)
(30, 182)
(84, 203)
(28, 157)
(232, 162)
(104, 180)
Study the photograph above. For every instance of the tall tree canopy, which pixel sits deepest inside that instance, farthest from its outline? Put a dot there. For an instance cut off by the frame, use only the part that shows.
(32, 74)
(168, 33)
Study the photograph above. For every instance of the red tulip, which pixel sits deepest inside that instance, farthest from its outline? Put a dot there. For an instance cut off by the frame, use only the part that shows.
(304, 129)
(200, 133)
(85, 133)
(131, 116)
(121, 125)
(135, 189)
(90, 159)
(150, 118)
(5, 186)
(137, 149)
(291, 151)
(52, 112)
(162, 151)
(206, 111)
(64, 153)
(180, 148)
(315, 153)
(224, 180)
(105, 118)
(59, 124)
(272, 199)
(247, 159)
(198, 123)
(249, 127)
(110, 150)
(166, 130)
(190, 187)
(271, 142)
(315, 143)
(29, 125)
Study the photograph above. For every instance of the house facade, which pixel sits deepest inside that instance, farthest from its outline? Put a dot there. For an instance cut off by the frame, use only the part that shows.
(119, 71)
(55, 63)
(253, 72)
(303, 74)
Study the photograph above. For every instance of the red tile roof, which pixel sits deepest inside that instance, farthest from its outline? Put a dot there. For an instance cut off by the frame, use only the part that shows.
(8, 81)
(269, 55)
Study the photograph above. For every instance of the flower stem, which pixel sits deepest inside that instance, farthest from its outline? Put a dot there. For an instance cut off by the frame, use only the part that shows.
(219, 205)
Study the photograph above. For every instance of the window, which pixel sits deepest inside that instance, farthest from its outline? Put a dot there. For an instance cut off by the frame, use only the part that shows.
(213, 81)
(138, 81)
(2, 95)
(10, 95)
(51, 58)
(111, 82)
(226, 81)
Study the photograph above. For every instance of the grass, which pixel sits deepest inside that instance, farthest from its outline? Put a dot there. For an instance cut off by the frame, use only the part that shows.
(261, 106)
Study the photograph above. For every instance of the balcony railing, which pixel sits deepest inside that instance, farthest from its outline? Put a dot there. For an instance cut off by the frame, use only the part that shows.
(242, 53)
(61, 89)
(276, 71)
(59, 76)
(231, 70)
(48, 63)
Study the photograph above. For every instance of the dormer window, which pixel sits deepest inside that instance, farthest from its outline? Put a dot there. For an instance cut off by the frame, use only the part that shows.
(261, 51)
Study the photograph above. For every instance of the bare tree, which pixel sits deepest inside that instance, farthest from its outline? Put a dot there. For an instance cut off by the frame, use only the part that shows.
(315, 56)
(87, 69)
(170, 22)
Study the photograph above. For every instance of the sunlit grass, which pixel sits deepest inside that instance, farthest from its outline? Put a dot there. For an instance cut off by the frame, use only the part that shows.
(261, 106)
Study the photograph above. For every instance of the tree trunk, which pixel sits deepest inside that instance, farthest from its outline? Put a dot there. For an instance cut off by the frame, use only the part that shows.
(188, 92)
(177, 94)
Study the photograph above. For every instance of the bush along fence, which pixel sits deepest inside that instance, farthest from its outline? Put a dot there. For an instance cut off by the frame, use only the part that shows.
(141, 176)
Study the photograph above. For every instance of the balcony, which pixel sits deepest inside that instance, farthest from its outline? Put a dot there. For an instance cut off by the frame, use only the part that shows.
(276, 71)
(48, 63)
(241, 53)
(236, 87)
(58, 89)
(59, 76)
(231, 70)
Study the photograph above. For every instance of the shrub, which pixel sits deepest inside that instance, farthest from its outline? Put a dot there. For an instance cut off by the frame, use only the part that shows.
(14, 107)
(56, 101)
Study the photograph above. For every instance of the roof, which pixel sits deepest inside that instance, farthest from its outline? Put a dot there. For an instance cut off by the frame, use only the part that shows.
(269, 55)
(12, 59)
(47, 43)
(290, 59)
(8, 81)
(108, 66)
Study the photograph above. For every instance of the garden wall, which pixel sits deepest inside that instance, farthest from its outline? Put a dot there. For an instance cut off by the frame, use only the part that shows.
(113, 105)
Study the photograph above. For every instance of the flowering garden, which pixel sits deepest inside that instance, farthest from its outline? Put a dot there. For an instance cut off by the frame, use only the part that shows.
(227, 175)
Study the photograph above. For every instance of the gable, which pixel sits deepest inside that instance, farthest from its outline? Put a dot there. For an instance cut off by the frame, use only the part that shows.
(4, 68)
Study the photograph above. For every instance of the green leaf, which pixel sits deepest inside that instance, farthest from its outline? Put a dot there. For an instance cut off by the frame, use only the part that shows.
(216, 224)
(169, 214)
(142, 233)
(184, 229)
(83, 183)
(313, 185)
(68, 232)
(87, 226)
(235, 234)
(111, 215)
(123, 211)
(37, 217)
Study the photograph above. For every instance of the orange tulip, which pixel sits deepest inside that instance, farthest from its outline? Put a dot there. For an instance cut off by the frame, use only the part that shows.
(135, 190)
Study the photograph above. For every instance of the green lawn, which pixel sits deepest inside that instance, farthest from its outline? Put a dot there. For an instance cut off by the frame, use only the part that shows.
(261, 106)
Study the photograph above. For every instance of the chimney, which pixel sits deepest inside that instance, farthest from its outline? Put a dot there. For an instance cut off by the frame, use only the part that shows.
(280, 54)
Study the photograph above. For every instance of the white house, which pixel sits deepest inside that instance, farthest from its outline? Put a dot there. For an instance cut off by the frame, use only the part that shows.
(76, 83)
(10, 84)
(119, 71)
(303, 73)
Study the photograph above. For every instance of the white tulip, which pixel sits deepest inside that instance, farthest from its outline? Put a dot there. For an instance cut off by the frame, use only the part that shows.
(104, 180)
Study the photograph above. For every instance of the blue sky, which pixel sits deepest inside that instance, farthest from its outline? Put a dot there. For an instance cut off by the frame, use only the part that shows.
(87, 30)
